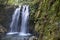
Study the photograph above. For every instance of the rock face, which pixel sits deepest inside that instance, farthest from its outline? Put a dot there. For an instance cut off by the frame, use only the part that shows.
(5, 15)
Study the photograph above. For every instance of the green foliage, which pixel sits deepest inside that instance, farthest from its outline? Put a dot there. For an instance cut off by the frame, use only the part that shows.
(3, 1)
(46, 18)
(11, 2)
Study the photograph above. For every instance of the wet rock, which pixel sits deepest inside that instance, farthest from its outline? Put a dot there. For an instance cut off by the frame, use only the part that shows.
(33, 38)
(2, 31)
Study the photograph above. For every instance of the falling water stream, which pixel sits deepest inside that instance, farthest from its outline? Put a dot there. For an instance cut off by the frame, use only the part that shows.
(24, 21)
(25, 17)
(14, 22)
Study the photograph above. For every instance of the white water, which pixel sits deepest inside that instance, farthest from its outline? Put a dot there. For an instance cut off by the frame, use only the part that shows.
(14, 22)
(24, 22)
(25, 17)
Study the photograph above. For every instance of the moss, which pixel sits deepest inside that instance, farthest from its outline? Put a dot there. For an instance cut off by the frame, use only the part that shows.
(46, 19)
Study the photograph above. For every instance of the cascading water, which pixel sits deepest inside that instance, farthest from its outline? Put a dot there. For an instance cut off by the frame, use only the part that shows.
(25, 17)
(24, 23)
(14, 23)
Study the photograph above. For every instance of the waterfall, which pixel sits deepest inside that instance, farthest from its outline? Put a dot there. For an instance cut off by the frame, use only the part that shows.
(14, 22)
(24, 21)
(25, 17)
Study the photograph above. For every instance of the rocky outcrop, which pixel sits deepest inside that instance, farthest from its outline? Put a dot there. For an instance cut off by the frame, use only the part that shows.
(33, 38)
(2, 31)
